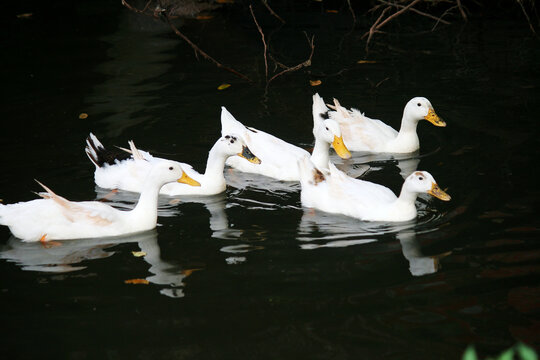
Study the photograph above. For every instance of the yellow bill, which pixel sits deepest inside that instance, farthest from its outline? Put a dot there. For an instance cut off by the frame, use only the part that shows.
(340, 148)
(185, 179)
(433, 118)
(438, 192)
(249, 156)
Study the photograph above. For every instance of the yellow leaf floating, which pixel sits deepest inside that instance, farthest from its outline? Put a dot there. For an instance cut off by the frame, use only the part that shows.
(204, 17)
(366, 62)
(225, 1)
(315, 82)
(83, 116)
(332, 11)
(138, 253)
(137, 281)
(223, 86)
(25, 16)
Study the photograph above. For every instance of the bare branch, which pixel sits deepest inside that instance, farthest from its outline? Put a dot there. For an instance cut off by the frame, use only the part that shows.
(197, 50)
(439, 19)
(462, 11)
(520, 2)
(352, 11)
(302, 64)
(396, 14)
(135, 9)
(264, 43)
(205, 55)
(265, 3)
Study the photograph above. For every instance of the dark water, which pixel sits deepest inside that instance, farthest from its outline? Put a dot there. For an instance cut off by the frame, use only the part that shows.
(249, 273)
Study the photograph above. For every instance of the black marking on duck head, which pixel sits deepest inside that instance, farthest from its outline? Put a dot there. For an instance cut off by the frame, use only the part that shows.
(231, 139)
(325, 115)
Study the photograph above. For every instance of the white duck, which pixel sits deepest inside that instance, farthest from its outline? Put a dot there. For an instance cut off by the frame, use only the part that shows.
(279, 158)
(121, 170)
(361, 133)
(56, 218)
(335, 192)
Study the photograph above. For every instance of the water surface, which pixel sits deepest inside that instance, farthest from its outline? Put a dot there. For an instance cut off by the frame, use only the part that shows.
(250, 273)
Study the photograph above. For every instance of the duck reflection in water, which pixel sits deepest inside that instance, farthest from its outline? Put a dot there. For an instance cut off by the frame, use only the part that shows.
(318, 230)
(168, 207)
(70, 255)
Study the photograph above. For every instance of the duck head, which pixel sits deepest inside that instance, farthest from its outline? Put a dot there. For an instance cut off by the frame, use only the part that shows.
(235, 145)
(419, 108)
(329, 131)
(423, 182)
(171, 171)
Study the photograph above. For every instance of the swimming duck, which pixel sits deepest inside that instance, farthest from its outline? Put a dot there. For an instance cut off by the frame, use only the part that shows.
(56, 218)
(127, 169)
(361, 133)
(335, 192)
(280, 158)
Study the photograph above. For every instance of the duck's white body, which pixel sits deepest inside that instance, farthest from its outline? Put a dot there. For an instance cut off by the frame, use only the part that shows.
(279, 159)
(361, 133)
(129, 173)
(56, 218)
(335, 192)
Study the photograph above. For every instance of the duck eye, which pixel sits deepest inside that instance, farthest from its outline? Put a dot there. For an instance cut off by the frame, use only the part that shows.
(420, 178)
(170, 168)
(327, 128)
(419, 104)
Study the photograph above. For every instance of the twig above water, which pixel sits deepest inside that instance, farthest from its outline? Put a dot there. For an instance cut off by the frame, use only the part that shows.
(265, 3)
(306, 63)
(162, 13)
(264, 42)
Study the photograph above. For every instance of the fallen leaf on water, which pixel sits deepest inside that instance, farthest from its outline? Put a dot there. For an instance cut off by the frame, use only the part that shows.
(138, 253)
(204, 17)
(188, 272)
(25, 16)
(137, 281)
(332, 11)
(366, 62)
(225, 1)
(315, 82)
(223, 86)
(83, 116)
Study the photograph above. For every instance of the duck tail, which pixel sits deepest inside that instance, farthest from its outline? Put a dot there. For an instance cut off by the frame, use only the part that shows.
(99, 155)
(229, 124)
(340, 109)
(309, 174)
(92, 149)
(320, 110)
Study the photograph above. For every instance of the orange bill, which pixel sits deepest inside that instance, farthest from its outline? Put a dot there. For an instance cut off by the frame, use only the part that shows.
(340, 148)
(249, 156)
(185, 179)
(433, 118)
(437, 192)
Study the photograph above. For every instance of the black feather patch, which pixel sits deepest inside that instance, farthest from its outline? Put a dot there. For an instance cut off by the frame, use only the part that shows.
(105, 156)
(325, 115)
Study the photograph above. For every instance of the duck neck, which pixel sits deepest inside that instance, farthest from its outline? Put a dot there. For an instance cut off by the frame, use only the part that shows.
(406, 199)
(407, 131)
(320, 156)
(145, 211)
(215, 163)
